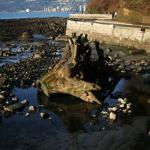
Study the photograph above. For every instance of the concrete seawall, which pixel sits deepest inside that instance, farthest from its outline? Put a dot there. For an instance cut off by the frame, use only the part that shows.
(111, 32)
(90, 16)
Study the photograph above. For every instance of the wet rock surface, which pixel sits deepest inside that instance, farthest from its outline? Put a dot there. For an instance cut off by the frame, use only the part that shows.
(24, 73)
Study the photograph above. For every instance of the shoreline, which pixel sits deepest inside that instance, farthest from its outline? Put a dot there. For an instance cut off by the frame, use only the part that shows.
(19, 15)
(13, 29)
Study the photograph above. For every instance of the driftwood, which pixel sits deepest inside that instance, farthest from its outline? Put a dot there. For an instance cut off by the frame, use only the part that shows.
(76, 74)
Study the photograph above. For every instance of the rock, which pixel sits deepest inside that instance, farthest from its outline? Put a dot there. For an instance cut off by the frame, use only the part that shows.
(24, 102)
(6, 52)
(91, 124)
(50, 118)
(50, 68)
(129, 111)
(34, 84)
(123, 71)
(110, 58)
(14, 99)
(148, 101)
(149, 133)
(7, 102)
(104, 112)
(109, 79)
(112, 116)
(122, 101)
(26, 35)
(125, 110)
(139, 69)
(3, 92)
(44, 115)
(142, 62)
(27, 114)
(109, 50)
(2, 97)
(50, 38)
(36, 56)
(121, 105)
(60, 109)
(103, 128)
(14, 107)
(32, 109)
(129, 105)
(130, 52)
(113, 109)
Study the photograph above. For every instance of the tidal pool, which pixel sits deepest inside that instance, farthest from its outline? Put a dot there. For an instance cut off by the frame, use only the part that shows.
(71, 127)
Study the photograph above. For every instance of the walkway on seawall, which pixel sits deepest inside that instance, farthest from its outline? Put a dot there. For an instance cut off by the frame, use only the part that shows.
(104, 29)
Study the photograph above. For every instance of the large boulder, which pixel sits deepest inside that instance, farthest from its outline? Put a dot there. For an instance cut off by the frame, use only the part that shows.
(26, 35)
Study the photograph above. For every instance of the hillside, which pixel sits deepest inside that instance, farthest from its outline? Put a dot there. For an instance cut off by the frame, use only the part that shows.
(101, 6)
(132, 11)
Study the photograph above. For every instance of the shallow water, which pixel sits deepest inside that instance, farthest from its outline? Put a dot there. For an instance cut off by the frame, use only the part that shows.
(39, 36)
(56, 107)
(68, 103)
(14, 59)
(29, 133)
(120, 88)
(73, 126)
(36, 41)
(20, 51)
(136, 90)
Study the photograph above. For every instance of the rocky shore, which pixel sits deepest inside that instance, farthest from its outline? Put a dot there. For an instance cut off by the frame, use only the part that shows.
(25, 73)
(12, 29)
(102, 122)
(32, 36)
(125, 97)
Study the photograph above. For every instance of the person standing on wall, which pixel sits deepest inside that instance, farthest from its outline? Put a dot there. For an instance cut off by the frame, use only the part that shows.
(115, 15)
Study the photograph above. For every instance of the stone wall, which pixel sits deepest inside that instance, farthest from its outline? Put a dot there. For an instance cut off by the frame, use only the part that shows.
(90, 16)
(113, 33)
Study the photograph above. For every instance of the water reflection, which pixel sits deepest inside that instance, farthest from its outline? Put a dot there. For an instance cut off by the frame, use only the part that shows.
(76, 115)
(14, 59)
(66, 112)
(136, 89)
(73, 112)
(69, 115)
(31, 94)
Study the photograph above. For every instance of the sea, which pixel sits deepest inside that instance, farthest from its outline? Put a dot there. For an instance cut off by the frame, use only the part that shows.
(21, 15)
